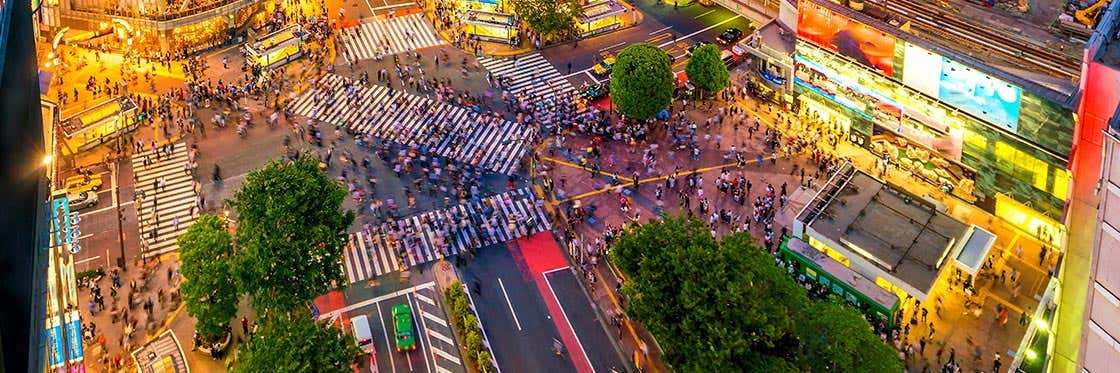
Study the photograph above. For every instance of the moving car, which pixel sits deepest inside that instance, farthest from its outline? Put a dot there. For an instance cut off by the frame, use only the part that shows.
(695, 46)
(82, 200)
(362, 335)
(402, 327)
(603, 68)
(80, 183)
(730, 36)
(595, 91)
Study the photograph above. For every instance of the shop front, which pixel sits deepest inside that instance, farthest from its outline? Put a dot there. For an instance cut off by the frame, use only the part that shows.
(493, 6)
(600, 17)
(490, 26)
(277, 48)
(98, 125)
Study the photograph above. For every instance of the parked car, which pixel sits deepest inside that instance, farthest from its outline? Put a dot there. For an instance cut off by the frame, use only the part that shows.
(82, 200)
(729, 36)
(362, 334)
(603, 68)
(695, 46)
(402, 327)
(81, 183)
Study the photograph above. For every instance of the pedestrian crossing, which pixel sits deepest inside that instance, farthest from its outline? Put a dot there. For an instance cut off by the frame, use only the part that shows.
(530, 73)
(398, 245)
(455, 132)
(165, 197)
(430, 315)
(389, 36)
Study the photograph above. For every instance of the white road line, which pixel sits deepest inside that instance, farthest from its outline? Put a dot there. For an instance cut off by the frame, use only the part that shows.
(441, 337)
(88, 259)
(658, 31)
(662, 45)
(413, 307)
(368, 302)
(391, 6)
(555, 270)
(510, 304)
(433, 318)
(388, 342)
(425, 299)
(447, 356)
(565, 315)
(704, 14)
(592, 76)
(440, 369)
(611, 46)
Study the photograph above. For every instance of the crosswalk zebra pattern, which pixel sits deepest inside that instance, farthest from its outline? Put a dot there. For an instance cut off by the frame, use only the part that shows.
(389, 36)
(164, 351)
(430, 315)
(397, 245)
(446, 130)
(164, 212)
(530, 74)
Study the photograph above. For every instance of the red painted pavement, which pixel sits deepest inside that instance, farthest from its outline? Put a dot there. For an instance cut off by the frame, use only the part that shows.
(541, 254)
(330, 301)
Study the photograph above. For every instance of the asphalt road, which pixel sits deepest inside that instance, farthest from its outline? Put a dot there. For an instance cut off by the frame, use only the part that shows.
(593, 337)
(514, 315)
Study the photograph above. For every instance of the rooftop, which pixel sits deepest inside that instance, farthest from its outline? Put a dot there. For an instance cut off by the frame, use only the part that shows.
(900, 233)
(1019, 50)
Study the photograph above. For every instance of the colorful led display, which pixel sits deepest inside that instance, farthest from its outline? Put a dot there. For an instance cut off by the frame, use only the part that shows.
(972, 91)
(840, 34)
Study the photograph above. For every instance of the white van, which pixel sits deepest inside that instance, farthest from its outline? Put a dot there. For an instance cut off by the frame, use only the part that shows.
(360, 326)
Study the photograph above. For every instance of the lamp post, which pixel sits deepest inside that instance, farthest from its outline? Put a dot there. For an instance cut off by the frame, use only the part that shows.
(117, 194)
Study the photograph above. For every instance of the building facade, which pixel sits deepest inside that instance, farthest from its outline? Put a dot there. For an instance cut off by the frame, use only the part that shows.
(979, 133)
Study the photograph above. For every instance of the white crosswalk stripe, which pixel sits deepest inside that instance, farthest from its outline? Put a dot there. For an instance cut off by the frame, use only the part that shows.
(530, 74)
(164, 211)
(446, 130)
(389, 36)
(397, 245)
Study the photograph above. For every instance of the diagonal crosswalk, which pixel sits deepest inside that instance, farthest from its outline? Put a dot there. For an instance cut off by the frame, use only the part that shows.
(389, 36)
(397, 245)
(446, 130)
(165, 197)
(530, 73)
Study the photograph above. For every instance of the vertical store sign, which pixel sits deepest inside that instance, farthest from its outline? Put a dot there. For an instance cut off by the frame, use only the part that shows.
(55, 343)
(74, 336)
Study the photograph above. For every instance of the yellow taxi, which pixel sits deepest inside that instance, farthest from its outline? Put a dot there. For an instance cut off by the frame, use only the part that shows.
(603, 68)
(81, 183)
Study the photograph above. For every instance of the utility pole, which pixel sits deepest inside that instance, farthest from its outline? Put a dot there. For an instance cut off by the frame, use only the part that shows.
(117, 197)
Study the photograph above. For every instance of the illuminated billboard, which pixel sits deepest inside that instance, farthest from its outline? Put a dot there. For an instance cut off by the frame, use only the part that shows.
(840, 34)
(972, 91)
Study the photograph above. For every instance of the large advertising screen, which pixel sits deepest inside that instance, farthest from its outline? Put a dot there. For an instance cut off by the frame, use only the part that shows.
(840, 34)
(972, 91)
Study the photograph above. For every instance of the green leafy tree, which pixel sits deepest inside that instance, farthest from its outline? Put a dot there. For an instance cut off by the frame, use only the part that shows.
(835, 337)
(290, 234)
(642, 81)
(706, 70)
(295, 343)
(551, 19)
(205, 254)
(722, 306)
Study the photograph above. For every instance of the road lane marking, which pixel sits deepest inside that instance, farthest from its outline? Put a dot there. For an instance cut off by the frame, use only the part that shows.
(370, 301)
(392, 6)
(413, 308)
(660, 30)
(510, 304)
(440, 369)
(662, 45)
(425, 299)
(88, 259)
(565, 314)
(592, 76)
(704, 14)
(441, 337)
(447, 356)
(612, 46)
(388, 342)
(433, 318)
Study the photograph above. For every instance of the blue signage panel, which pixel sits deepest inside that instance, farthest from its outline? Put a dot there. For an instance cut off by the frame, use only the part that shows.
(74, 337)
(979, 94)
(55, 344)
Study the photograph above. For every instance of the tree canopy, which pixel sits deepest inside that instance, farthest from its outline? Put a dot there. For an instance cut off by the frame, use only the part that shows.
(706, 70)
(724, 306)
(290, 235)
(295, 343)
(549, 18)
(205, 251)
(642, 81)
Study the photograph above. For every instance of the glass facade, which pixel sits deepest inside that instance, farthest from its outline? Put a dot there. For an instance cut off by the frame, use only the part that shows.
(1023, 157)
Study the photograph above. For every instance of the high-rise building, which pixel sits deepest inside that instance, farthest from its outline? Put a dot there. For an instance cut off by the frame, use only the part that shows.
(1099, 114)
(23, 180)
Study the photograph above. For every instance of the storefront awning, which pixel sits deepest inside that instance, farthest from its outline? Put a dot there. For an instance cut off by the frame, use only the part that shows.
(977, 243)
(478, 17)
(600, 10)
